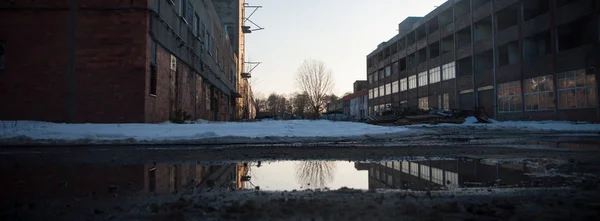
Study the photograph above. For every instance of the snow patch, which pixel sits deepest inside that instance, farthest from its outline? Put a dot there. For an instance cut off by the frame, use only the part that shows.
(165, 133)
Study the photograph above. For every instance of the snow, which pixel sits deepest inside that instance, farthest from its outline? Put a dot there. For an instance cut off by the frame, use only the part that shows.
(167, 132)
(566, 126)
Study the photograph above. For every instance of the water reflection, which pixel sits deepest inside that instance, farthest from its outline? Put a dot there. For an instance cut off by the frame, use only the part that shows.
(315, 174)
(55, 181)
(441, 174)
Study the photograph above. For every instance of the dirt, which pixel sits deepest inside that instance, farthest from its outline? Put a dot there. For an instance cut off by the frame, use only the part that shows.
(342, 204)
(578, 201)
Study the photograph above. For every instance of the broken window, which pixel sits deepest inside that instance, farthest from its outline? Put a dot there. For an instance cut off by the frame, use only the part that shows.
(539, 93)
(508, 53)
(422, 55)
(424, 103)
(509, 97)
(388, 71)
(576, 89)
(575, 34)
(463, 37)
(536, 46)
(434, 50)
(448, 44)
(465, 66)
(484, 61)
(483, 29)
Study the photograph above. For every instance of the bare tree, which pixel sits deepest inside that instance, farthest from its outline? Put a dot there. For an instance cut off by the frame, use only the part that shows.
(315, 174)
(314, 79)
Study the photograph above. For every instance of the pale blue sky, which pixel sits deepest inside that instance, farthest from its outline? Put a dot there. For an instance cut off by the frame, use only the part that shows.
(339, 32)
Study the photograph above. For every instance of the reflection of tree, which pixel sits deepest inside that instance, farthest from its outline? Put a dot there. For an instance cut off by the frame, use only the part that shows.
(315, 174)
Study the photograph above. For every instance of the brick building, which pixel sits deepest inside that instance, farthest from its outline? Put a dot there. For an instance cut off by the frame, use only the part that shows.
(115, 61)
(518, 59)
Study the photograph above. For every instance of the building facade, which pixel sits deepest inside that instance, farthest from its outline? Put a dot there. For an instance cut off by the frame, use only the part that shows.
(517, 59)
(115, 61)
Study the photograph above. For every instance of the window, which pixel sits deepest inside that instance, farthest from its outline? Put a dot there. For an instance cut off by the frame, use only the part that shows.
(403, 85)
(370, 93)
(423, 78)
(370, 78)
(509, 97)
(375, 92)
(576, 90)
(394, 87)
(208, 42)
(395, 68)
(448, 71)
(381, 90)
(153, 68)
(181, 8)
(197, 25)
(424, 103)
(381, 74)
(388, 89)
(388, 71)
(412, 82)
(539, 93)
(434, 75)
(189, 12)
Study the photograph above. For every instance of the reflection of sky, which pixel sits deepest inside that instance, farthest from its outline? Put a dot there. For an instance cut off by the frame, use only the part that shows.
(282, 176)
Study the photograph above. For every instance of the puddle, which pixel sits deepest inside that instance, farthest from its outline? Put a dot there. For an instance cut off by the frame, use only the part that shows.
(98, 181)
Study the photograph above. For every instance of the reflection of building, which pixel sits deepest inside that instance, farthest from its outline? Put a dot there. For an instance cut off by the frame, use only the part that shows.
(57, 181)
(444, 173)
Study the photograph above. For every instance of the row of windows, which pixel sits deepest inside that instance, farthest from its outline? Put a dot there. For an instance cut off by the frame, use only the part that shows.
(575, 90)
(448, 71)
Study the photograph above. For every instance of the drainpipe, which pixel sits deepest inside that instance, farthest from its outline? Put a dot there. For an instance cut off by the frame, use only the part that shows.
(71, 90)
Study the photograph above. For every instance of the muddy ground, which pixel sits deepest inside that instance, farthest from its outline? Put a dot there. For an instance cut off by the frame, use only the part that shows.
(577, 201)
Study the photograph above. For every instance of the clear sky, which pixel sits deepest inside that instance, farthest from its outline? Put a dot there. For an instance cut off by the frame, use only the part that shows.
(338, 32)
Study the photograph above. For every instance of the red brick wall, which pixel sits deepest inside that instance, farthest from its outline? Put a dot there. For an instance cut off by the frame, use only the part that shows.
(110, 63)
(111, 66)
(33, 84)
(188, 89)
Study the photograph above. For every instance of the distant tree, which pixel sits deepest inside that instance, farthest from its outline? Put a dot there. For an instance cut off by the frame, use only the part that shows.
(346, 94)
(300, 104)
(314, 79)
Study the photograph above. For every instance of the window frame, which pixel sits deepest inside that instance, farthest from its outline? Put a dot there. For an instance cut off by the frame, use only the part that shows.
(565, 88)
(395, 87)
(412, 82)
(423, 79)
(403, 84)
(509, 91)
(548, 81)
(434, 75)
(446, 73)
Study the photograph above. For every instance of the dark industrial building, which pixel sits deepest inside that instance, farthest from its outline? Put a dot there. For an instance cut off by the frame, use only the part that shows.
(517, 59)
(115, 61)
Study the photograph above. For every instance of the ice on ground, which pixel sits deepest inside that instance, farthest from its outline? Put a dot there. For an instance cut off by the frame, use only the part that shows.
(181, 132)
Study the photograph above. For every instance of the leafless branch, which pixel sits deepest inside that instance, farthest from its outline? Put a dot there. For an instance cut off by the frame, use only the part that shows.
(315, 174)
(314, 79)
